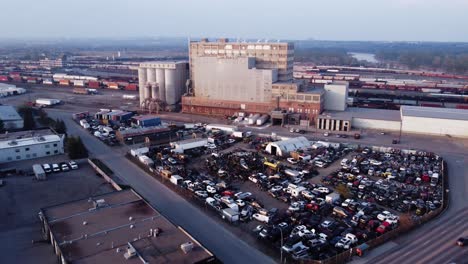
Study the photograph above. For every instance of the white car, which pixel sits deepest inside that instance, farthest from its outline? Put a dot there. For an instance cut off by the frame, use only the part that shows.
(346, 202)
(240, 203)
(261, 218)
(347, 241)
(231, 141)
(326, 134)
(292, 161)
(308, 195)
(276, 188)
(384, 215)
(242, 195)
(210, 189)
(322, 190)
(376, 162)
(227, 200)
(172, 161)
(294, 207)
(202, 194)
(73, 165)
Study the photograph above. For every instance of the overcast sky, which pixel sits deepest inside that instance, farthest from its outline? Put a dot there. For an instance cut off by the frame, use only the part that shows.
(413, 20)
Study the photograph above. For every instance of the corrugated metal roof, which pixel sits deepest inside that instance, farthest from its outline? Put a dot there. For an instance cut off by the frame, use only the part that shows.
(433, 112)
(8, 113)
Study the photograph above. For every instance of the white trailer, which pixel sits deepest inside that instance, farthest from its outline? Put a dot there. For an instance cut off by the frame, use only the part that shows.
(253, 119)
(181, 146)
(262, 120)
(129, 96)
(238, 134)
(225, 128)
(47, 102)
(139, 151)
(146, 160)
(176, 179)
(189, 126)
(39, 172)
(332, 197)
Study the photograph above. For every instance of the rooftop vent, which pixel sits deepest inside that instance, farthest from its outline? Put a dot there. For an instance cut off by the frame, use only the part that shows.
(13, 143)
(187, 247)
(131, 252)
(99, 203)
(41, 139)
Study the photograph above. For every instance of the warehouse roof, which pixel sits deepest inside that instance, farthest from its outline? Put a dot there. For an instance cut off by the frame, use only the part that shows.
(101, 229)
(28, 140)
(145, 117)
(291, 144)
(364, 113)
(433, 112)
(8, 113)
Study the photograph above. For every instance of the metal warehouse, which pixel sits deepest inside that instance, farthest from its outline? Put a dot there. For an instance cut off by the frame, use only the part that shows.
(10, 117)
(435, 121)
(30, 145)
(284, 147)
(118, 227)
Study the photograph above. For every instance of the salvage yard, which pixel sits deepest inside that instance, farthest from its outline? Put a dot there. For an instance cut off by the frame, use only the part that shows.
(318, 201)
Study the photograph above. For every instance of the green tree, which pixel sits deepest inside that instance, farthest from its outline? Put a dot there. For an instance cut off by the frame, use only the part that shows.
(28, 116)
(60, 127)
(75, 148)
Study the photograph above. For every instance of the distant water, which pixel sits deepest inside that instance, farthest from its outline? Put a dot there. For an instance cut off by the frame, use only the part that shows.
(369, 57)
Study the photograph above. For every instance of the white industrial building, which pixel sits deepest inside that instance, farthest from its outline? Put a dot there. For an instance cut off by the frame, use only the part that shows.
(182, 145)
(235, 79)
(162, 81)
(435, 121)
(10, 89)
(336, 96)
(359, 118)
(10, 117)
(284, 147)
(29, 145)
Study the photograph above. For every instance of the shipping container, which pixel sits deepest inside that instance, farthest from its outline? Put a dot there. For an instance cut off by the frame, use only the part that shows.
(47, 102)
(64, 82)
(131, 87)
(4, 78)
(80, 83)
(112, 85)
(80, 91)
(94, 84)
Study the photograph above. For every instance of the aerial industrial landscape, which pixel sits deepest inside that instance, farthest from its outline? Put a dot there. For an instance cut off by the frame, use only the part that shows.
(192, 149)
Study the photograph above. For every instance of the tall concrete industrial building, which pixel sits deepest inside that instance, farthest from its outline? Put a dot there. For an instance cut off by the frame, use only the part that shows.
(162, 82)
(257, 77)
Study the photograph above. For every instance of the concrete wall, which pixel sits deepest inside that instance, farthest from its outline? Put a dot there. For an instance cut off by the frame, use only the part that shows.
(336, 96)
(234, 79)
(384, 125)
(434, 126)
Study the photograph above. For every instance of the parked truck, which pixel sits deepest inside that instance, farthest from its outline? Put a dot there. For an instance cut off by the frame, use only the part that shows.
(47, 102)
(80, 91)
(262, 120)
(39, 172)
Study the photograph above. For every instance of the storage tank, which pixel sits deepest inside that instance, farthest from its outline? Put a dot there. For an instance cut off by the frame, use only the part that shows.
(151, 75)
(162, 83)
(142, 83)
(170, 86)
(154, 90)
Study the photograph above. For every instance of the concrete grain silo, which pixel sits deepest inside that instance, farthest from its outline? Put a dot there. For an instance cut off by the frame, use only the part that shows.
(160, 77)
(164, 81)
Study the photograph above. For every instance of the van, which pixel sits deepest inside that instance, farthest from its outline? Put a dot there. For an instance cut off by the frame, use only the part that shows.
(338, 211)
(320, 164)
(344, 162)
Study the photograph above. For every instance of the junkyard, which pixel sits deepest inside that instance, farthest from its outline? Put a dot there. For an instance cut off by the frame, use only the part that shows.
(307, 200)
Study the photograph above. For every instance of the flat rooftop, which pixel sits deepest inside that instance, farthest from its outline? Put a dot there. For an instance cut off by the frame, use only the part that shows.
(99, 230)
(365, 113)
(27, 138)
(434, 112)
(9, 113)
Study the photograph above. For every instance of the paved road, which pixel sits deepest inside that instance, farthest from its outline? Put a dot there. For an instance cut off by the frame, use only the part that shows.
(225, 245)
(443, 235)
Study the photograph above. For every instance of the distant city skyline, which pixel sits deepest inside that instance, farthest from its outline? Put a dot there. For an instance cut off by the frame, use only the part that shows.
(366, 20)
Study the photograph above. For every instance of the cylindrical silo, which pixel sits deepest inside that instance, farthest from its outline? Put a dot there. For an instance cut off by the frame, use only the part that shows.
(170, 86)
(148, 90)
(154, 90)
(142, 83)
(161, 83)
(151, 72)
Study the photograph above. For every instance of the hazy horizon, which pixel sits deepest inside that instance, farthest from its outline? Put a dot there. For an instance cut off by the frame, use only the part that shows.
(335, 20)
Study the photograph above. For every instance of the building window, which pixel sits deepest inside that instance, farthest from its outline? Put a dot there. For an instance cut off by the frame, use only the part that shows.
(47, 153)
(26, 149)
(55, 151)
(17, 150)
(55, 144)
(9, 158)
(18, 157)
(47, 146)
(28, 156)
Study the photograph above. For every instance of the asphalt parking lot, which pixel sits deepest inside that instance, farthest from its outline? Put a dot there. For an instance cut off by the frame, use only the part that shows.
(21, 199)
